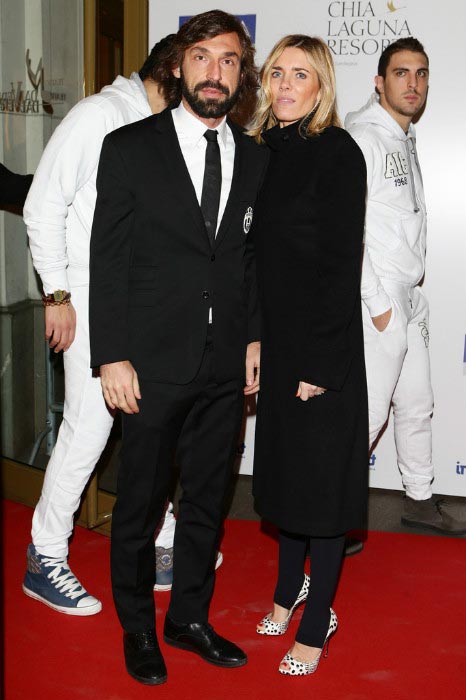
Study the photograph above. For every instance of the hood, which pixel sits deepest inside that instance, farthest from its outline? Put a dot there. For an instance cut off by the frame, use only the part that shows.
(132, 90)
(373, 113)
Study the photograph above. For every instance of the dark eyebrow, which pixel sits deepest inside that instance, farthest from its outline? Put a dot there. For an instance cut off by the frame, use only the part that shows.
(424, 68)
(206, 51)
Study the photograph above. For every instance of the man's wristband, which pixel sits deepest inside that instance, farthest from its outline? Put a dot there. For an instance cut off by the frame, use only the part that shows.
(57, 298)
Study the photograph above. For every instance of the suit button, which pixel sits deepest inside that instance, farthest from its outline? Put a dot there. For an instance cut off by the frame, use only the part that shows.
(205, 295)
(212, 258)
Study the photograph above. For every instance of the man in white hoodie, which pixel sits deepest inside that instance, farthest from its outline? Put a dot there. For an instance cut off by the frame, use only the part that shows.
(58, 213)
(395, 310)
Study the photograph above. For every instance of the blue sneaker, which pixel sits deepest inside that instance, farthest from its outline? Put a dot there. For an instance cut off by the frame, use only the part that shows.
(51, 581)
(164, 568)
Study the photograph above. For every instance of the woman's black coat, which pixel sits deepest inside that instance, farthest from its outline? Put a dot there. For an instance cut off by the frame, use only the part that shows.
(311, 458)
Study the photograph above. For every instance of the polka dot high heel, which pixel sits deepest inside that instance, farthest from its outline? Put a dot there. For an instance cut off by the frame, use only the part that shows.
(292, 667)
(272, 629)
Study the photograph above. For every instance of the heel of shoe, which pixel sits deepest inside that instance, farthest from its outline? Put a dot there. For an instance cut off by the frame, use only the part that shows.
(325, 649)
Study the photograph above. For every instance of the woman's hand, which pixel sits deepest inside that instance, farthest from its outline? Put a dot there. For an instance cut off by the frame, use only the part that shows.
(253, 363)
(308, 391)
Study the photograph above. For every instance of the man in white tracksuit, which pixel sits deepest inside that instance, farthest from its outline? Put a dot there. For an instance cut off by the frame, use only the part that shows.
(58, 213)
(395, 310)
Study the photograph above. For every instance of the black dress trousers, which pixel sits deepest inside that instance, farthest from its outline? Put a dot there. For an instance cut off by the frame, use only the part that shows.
(198, 423)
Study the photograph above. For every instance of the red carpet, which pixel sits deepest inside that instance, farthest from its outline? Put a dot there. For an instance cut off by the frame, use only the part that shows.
(401, 606)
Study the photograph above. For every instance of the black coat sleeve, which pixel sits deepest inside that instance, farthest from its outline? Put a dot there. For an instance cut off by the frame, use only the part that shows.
(13, 187)
(254, 314)
(110, 251)
(329, 342)
(251, 285)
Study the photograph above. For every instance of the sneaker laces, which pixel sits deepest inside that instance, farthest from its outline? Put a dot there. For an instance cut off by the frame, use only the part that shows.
(65, 582)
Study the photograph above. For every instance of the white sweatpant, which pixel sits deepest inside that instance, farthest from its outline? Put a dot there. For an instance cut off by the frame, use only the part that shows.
(82, 436)
(398, 372)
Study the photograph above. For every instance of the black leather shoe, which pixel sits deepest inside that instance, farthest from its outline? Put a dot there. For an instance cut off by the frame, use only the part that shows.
(201, 638)
(143, 658)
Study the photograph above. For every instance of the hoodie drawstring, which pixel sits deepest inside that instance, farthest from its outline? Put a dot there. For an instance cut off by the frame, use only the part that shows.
(411, 150)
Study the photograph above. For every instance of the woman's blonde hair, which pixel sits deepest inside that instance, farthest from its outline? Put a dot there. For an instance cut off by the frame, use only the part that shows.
(319, 57)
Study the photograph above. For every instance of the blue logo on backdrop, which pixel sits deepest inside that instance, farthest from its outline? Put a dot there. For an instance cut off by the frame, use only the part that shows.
(372, 459)
(249, 22)
(460, 469)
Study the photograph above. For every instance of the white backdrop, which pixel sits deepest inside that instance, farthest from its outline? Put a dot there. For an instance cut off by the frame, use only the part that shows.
(356, 33)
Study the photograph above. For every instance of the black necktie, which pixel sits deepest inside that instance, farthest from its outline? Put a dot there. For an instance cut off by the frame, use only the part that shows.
(212, 184)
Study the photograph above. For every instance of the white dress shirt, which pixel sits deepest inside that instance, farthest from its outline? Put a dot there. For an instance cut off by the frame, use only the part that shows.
(190, 131)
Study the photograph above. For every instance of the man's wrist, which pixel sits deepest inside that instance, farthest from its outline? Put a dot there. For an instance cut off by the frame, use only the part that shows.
(57, 298)
(378, 303)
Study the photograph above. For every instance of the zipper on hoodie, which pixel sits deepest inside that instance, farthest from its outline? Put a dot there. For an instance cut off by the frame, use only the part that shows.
(412, 151)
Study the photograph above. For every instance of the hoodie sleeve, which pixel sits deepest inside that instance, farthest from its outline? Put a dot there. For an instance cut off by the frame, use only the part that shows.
(372, 291)
(69, 160)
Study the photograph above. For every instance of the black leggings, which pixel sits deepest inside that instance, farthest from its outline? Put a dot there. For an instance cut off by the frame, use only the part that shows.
(326, 558)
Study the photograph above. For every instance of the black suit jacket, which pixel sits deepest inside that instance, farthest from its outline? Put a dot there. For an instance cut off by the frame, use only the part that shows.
(14, 188)
(153, 272)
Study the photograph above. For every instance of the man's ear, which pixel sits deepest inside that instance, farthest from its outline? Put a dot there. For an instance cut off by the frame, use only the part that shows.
(176, 72)
(379, 84)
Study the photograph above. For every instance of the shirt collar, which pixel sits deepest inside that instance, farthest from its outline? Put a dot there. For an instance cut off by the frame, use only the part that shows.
(186, 124)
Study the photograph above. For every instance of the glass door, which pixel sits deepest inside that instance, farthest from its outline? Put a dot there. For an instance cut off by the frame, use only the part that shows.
(52, 54)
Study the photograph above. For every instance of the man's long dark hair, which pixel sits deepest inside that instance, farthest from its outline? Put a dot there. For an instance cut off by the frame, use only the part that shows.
(207, 26)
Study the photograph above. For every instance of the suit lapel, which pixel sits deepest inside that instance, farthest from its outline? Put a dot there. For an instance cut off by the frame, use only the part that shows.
(235, 187)
(178, 172)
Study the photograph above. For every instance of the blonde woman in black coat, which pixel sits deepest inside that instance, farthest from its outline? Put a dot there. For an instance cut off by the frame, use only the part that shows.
(310, 470)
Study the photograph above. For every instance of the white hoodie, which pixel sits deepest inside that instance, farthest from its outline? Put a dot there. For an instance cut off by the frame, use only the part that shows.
(60, 205)
(395, 238)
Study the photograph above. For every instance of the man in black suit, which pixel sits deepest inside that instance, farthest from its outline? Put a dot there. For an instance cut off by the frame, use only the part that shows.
(173, 322)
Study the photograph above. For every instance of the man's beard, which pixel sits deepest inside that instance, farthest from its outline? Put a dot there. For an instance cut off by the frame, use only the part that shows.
(210, 108)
